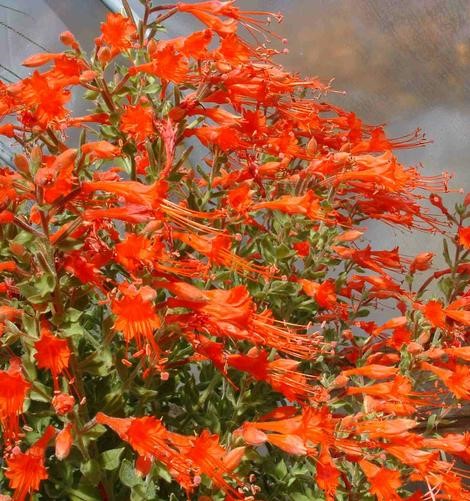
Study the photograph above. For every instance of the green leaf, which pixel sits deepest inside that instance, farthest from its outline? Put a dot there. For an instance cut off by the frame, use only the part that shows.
(446, 284)
(72, 315)
(39, 289)
(84, 493)
(128, 475)
(110, 459)
(91, 471)
(143, 492)
(39, 392)
(446, 253)
(280, 469)
(282, 251)
(162, 472)
(29, 325)
(95, 432)
(113, 403)
(98, 363)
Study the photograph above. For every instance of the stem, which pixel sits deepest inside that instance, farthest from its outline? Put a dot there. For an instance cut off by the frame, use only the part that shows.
(162, 7)
(106, 94)
(25, 226)
(128, 10)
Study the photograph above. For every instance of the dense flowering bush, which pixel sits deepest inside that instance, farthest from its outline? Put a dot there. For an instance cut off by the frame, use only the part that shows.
(188, 305)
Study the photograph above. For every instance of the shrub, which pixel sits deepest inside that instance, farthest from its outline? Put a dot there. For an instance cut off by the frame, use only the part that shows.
(189, 307)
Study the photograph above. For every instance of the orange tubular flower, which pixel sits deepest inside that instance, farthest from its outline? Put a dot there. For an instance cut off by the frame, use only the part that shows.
(209, 458)
(379, 142)
(53, 354)
(373, 371)
(421, 262)
(185, 457)
(44, 96)
(7, 130)
(129, 213)
(136, 251)
(167, 65)
(63, 442)
(324, 293)
(395, 397)
(464, 237)
(194, 45)
(136, 317)
(452, 443)
(100, 150)
(26, 470)
(456, 312)
(384, 428)
(456, 378)
(149, 196)
(208, 13)
(217, 249)
(307, 205)
(383, 481)
(13, 391)
(327, 474)
(41, 59)
(462, 352)
(8, 266)
(118, 32)
(302, 434)
(231, 313)
(434, 312)
(56, 182)
(137, 121)
(281, 373)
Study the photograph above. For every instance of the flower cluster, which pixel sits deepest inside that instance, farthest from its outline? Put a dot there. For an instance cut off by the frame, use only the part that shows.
(188, 303)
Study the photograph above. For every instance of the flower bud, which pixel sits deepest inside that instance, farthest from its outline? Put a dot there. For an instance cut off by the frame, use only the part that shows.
(421, 262)
(67, 38)
(63, 403)
(63, 442)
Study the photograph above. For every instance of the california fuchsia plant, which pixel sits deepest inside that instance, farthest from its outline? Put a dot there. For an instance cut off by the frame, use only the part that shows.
(188, 307)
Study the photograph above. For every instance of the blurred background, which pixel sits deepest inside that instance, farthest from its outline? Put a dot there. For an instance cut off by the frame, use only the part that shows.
(401, 62)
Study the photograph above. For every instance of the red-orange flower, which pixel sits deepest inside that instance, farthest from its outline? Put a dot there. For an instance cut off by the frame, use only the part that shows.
(43, 97)
(137, 121)
(383, 481)
(434, 312)
(63, 403)
(327, 474)
(100, 150)
(63, 442)
(167, 64)
(307, 205)
(185, 456)
(280, 373)
(53, 353)
(135, 314)
(421, 262)
(13, 391)
(136, 251)
(26, 470)
(374, 371)
(464, 237)
(118, 32)
(456, 378)
(324, 293)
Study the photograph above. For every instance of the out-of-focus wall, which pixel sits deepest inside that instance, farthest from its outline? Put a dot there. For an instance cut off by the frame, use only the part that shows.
(403, 62)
